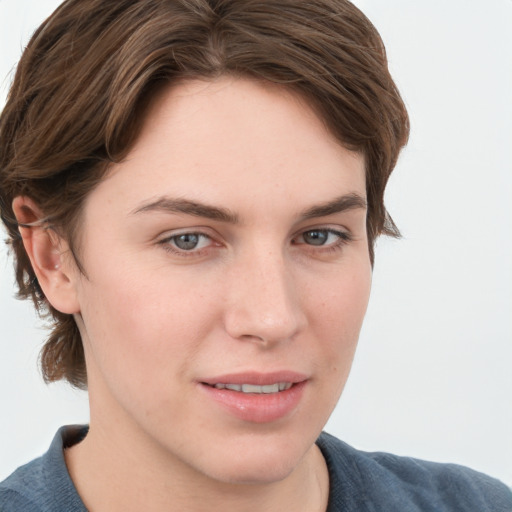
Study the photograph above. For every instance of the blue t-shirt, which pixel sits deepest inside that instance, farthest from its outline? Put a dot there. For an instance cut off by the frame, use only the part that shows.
(358, 481)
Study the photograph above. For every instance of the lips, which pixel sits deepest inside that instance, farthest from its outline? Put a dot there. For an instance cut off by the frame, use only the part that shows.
(256, 397)
(254, 388)
(256, 378)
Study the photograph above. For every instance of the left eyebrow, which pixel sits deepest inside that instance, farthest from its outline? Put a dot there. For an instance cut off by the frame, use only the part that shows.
(340, 204)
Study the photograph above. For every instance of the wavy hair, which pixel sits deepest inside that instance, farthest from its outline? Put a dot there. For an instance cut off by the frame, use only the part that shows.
(87, 74)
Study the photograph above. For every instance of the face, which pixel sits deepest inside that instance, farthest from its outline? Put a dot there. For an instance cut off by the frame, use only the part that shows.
(227, 276)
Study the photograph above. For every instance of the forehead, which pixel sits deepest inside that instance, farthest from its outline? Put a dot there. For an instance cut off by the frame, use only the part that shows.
(236, 140)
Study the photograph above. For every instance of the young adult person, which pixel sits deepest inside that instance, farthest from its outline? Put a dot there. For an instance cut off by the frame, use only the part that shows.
(192, 190)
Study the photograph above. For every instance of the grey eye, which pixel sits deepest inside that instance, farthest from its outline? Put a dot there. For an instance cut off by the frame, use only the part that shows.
(315, 237)
(187, 241)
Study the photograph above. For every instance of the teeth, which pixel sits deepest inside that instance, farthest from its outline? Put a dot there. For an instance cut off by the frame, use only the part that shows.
(252, 388)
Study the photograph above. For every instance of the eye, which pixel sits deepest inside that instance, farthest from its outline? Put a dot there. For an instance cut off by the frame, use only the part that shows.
(322, 237)
(186, 242)
(317, 237)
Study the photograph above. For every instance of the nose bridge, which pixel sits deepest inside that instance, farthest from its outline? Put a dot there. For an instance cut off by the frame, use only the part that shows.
(264, 303)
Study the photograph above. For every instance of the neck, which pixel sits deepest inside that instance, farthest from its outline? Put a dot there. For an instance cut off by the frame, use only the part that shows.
(110, 477)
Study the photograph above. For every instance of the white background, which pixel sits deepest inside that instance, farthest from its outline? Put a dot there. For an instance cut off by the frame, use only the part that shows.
(433, 375)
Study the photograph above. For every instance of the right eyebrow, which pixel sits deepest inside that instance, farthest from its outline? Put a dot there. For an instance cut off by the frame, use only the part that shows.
(188, 207)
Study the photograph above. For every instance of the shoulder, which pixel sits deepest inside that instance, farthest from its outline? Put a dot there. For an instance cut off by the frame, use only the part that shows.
(369, 481)
(44, 485)
(17, 490)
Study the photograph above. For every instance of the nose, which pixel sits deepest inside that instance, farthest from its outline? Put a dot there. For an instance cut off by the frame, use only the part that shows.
(263, 302)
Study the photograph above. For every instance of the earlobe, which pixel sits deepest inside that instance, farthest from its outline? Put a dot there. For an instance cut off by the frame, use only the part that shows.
(48, 255)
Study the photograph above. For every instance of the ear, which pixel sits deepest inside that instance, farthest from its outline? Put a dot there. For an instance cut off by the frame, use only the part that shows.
(49, 256)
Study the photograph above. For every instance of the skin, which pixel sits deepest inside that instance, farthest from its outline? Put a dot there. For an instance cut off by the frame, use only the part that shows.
(254, 295)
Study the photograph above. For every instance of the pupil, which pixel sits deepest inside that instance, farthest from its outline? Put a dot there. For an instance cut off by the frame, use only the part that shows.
(187, 242)
(315, 237)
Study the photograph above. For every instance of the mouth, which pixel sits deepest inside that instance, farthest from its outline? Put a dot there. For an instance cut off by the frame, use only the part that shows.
(254, 388)
(256, 397)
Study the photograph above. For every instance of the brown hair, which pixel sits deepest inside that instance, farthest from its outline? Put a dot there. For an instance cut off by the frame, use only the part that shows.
(84, 80)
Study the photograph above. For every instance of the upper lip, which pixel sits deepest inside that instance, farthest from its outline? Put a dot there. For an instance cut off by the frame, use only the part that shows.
(256, 378)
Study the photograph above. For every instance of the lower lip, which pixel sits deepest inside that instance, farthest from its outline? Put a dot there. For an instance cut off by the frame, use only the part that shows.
(257, 408)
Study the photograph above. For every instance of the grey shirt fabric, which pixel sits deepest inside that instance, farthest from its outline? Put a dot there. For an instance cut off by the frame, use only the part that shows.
(382, 482)
(359, 482)
(44, 485)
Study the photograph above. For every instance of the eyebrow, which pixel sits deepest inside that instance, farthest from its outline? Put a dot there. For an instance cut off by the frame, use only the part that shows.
(340, 204)
(188, 207)
(343, 203)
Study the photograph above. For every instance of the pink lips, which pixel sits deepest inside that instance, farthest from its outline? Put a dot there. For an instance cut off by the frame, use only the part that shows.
(257, 407)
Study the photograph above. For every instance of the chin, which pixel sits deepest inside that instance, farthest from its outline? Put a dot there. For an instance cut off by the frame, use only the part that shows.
(254, 472)
(258, 461)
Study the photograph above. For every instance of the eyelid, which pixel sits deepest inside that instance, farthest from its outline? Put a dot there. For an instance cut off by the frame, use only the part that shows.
(165, 241)
(342, 232)
(192, 230)
(329, 250)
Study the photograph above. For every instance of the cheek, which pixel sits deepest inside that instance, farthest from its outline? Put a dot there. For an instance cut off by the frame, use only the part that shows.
(340, 306)
(140, 338)
(337, 316)
(137, 322)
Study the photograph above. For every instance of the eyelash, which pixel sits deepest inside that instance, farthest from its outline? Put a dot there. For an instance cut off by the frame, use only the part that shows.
(344, 238)
(167, 244)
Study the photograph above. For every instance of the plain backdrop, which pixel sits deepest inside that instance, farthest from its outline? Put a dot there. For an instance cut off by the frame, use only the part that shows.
(433, 374)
